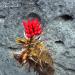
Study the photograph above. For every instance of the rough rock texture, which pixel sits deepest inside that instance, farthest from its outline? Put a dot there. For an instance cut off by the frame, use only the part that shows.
(58, 17)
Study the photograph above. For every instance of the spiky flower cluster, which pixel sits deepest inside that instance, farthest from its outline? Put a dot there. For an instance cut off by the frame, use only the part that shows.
(32, 27)
(34, 53)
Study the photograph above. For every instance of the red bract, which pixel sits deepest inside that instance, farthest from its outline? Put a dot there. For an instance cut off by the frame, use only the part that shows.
(32, 27)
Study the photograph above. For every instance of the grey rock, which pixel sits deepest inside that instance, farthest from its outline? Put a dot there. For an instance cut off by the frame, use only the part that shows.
(58, 18)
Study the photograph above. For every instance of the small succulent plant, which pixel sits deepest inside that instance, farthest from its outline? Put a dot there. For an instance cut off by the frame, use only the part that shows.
(34, 52)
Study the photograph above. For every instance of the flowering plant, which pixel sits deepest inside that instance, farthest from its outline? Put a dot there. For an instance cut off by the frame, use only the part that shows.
(34, 52)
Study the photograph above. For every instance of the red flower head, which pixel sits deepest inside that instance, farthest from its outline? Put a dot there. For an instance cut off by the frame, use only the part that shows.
(32, 27)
